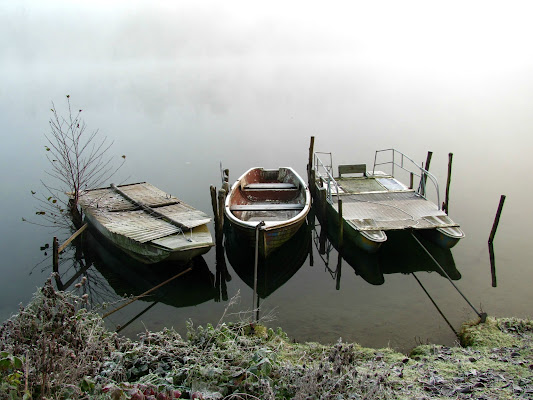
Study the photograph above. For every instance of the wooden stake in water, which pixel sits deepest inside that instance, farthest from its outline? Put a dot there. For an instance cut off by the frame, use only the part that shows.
(445, 205)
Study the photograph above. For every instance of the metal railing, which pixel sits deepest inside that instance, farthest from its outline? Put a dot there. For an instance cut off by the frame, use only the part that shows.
(324, 173)
(400, 160)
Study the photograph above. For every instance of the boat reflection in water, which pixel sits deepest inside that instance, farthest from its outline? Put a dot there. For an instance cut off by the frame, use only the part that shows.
(274, 270)
(402, 253)
(129, 277)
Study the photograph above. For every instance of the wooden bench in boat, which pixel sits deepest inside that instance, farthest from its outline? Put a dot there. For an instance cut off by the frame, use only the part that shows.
(267, 207)
(270, 186)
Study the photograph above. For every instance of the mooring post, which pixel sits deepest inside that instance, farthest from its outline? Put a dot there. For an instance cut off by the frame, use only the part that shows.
(55, 256)
(448, 181)
(221, 204)
(426, 167)
(310, 161)
(225, 180)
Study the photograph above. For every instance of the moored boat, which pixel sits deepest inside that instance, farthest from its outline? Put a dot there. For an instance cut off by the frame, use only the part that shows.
(147, 223)
(374, 202)
(273, 202)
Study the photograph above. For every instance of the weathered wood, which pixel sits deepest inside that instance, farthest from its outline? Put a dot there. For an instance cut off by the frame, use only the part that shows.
(352, 169)
(149, 209)
(496, 219)
(70, 239)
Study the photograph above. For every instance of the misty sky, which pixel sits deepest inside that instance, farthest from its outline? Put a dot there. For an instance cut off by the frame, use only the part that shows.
(378, 67)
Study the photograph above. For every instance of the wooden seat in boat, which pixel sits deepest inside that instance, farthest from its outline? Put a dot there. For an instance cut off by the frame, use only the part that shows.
(266, 207)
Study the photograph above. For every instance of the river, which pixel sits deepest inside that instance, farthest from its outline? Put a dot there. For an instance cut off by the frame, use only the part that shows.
(181, 89)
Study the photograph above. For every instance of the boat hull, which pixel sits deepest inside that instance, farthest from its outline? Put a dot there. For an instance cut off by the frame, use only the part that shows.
(149, 253)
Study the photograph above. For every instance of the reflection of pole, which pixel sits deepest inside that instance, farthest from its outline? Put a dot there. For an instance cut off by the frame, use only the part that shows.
(496, 219)
(491, 239)
(435, 304)
(341, 225)
(147, 292)
(257, 229)
(492, 265)
(338, 275)
(482, 316)
(137, 316)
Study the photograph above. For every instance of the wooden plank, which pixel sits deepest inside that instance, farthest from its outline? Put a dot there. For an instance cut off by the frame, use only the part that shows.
(352, 169)
(70, 239)
(268, 186)
(266, 207)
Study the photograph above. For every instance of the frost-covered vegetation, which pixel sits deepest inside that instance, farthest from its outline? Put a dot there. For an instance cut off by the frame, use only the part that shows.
(55, 349)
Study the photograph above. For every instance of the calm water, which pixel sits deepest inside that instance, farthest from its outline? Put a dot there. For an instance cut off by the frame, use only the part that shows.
(178, 99)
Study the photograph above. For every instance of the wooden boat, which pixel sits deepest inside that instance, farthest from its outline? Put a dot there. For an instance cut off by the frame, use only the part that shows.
(146, 223)
(278, 199)
(374, 202)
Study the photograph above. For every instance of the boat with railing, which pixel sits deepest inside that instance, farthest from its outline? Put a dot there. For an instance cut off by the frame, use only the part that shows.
(370, 203)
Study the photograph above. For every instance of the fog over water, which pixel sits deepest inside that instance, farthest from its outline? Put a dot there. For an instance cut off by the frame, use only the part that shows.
(182, 86)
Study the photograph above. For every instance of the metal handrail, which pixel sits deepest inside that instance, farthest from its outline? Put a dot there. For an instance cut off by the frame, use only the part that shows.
(325, 172)
(407, 164)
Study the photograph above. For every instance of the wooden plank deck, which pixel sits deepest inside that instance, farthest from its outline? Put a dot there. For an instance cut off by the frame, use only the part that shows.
(122, 217)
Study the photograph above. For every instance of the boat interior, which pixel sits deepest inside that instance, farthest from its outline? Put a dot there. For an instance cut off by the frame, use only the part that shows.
(268, 195)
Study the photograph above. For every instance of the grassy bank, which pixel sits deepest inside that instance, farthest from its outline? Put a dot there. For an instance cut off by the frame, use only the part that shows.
(54, 348)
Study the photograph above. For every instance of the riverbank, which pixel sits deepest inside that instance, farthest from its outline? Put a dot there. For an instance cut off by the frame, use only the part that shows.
(55, 348)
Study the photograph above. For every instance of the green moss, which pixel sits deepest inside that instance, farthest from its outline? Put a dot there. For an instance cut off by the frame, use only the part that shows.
(487, 334)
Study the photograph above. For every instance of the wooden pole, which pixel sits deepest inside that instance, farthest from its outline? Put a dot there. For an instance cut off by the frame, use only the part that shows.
(497, 219)
(55, 256)
(448, 181)
(426, 167)
(310, 162)
(147, 292)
